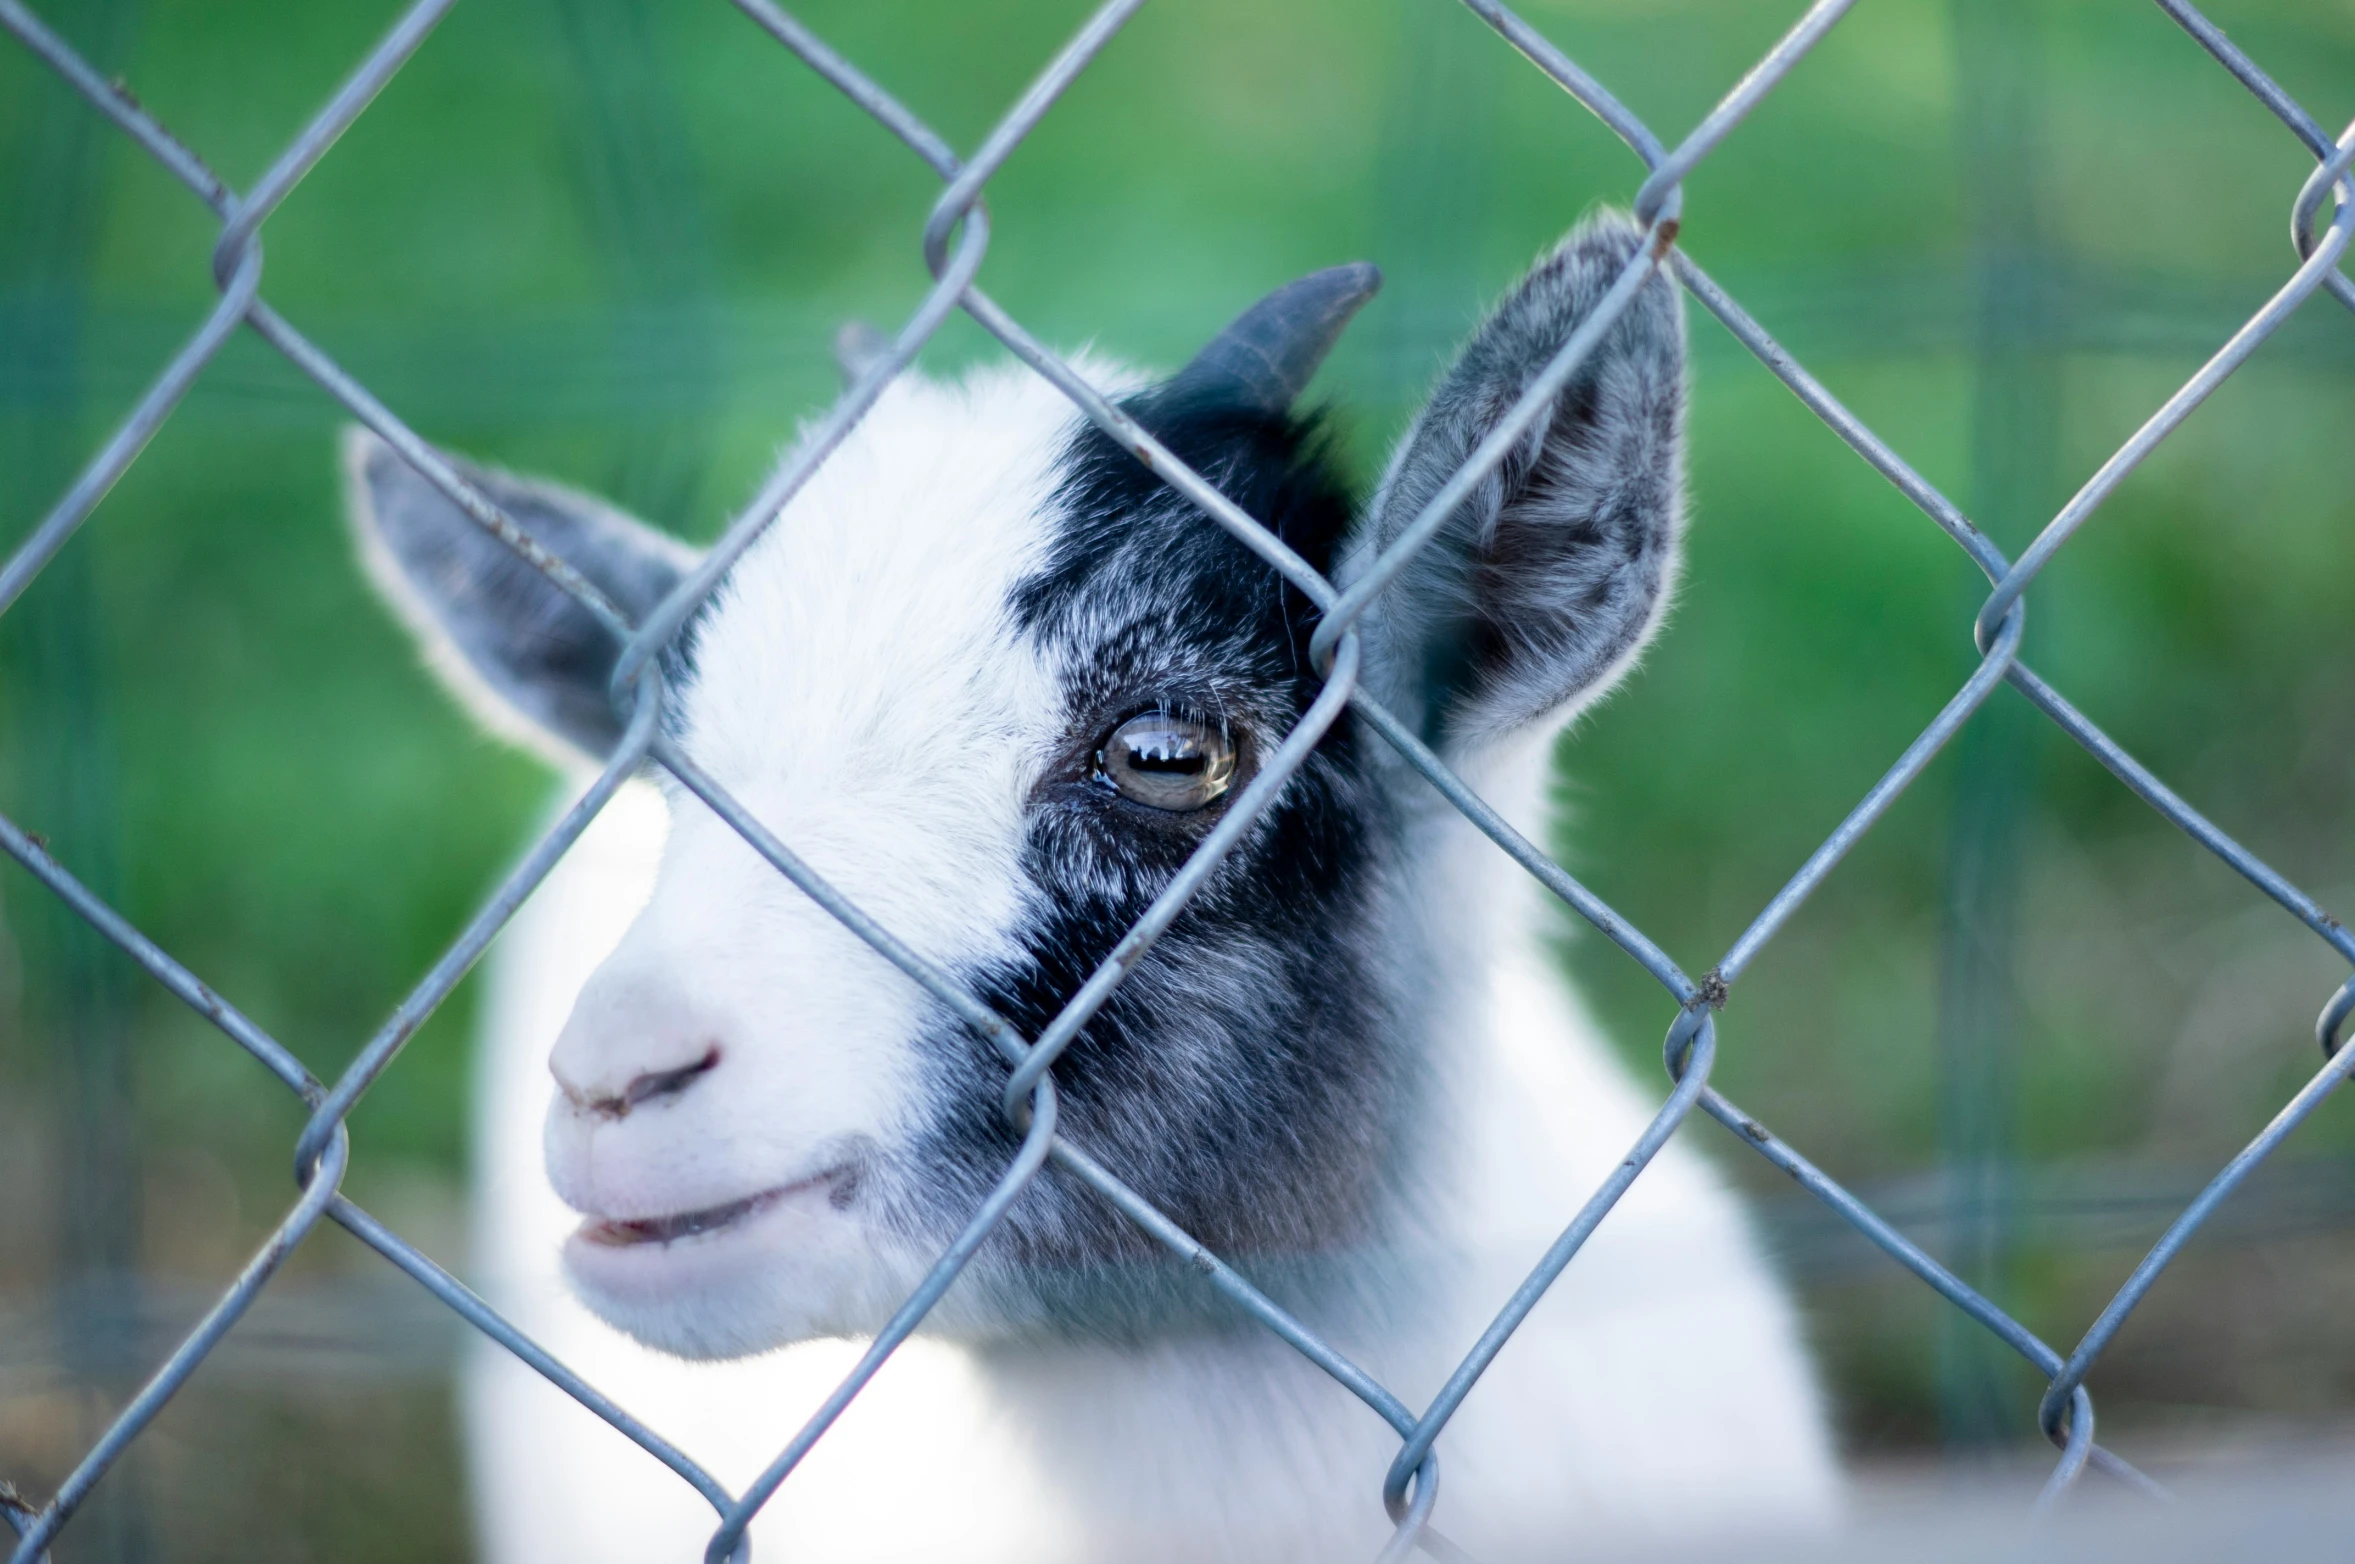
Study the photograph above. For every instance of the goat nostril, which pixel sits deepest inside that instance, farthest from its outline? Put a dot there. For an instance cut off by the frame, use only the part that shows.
(652, 1085)
(668, 1083)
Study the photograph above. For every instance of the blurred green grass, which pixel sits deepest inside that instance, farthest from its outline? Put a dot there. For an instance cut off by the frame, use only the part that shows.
(609, 240)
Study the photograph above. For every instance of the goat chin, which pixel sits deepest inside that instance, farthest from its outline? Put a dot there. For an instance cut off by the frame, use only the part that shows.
(789, 1271)
(1665, 1349)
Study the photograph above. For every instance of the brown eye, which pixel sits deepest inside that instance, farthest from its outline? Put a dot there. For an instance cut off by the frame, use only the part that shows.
(1167, 761)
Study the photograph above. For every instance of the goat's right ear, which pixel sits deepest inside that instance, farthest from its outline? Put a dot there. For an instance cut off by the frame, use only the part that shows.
(522, 654)
(1542, 584)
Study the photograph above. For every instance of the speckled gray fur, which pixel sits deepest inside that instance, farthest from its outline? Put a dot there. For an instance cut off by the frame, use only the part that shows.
(1556, 565)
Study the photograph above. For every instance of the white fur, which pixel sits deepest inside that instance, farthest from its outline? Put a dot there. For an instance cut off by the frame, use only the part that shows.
(1659, 1390)
(860, 695)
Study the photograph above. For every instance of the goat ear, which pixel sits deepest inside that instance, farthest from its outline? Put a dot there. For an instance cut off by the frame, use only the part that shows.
(516, 649)
(1545, 581)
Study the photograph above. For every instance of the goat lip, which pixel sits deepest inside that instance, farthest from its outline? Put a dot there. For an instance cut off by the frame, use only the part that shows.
(620, 1233)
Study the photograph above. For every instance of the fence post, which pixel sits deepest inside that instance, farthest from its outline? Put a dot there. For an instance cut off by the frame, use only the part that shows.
(2015, 401)
(62, 763)
(636, 174)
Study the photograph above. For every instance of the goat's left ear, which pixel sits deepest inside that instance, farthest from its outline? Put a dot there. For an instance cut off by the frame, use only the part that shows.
(1543, 585)
(516, 649)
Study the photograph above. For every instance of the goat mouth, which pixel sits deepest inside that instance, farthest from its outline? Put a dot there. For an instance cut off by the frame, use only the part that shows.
(616, 1233)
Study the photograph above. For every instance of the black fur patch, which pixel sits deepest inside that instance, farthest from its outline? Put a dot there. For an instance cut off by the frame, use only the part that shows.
(1244, 1078)
(1258, 1077)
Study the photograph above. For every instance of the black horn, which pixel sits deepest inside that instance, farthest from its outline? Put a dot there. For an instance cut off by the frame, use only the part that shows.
(1268, 356)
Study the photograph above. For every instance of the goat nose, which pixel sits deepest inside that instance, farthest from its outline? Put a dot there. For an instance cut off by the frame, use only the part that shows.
(649, 1086)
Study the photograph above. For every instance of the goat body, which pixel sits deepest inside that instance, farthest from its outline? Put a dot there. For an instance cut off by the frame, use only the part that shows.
(992, 679)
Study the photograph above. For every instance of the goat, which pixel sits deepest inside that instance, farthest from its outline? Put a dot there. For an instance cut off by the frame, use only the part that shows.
(995, 681)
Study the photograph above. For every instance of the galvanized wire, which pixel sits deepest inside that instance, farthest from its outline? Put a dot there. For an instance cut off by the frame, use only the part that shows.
(954, 243)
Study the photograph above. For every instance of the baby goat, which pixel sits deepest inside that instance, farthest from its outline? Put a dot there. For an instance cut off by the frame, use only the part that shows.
(995, 681)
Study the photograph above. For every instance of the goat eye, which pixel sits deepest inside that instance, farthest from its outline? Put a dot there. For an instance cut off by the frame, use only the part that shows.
(1167, 761)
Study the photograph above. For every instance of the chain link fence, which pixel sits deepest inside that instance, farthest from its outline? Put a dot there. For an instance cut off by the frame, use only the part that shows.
(955, 241)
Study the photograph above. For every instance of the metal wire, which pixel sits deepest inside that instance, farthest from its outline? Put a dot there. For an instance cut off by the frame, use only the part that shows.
(954, 241)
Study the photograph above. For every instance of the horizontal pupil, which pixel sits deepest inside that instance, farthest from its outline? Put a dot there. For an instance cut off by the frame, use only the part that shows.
(1167, 761)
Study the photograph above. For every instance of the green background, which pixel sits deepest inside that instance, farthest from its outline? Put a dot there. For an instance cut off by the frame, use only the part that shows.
(609, 240)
